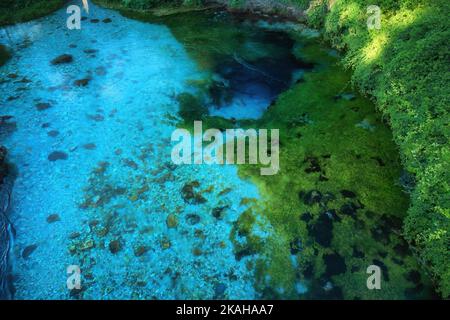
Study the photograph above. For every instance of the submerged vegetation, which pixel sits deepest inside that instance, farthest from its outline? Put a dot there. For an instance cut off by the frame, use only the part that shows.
(5, 55)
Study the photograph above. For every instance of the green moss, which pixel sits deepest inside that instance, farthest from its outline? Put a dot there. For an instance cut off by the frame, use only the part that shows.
(5, 55)
(12, 12)
(191, 108)
(244, 240)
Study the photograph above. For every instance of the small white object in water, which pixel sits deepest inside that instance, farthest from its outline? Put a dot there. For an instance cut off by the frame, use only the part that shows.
(365, 124)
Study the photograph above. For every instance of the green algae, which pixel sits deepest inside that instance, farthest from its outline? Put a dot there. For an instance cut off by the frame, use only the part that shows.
(191, 107)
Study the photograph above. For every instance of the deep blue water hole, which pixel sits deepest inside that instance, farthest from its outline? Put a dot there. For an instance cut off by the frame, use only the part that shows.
(247, 88)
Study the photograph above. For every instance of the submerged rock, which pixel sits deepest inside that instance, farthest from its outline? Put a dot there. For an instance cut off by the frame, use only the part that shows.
(327, 197)
(82, 82)
(197, 252)
(74, 235)
(100, 71)
(379, 161)
(90, 51)
(335, 264)
(5, 55)
(190, 195)
(165, 243)
(295, 246)
(402, 249)
(130, 163)
(89, 146)
(140, 250)
(53, 133)
(348, 194)
(192, 218)
(349, 209)
(5, 119)
(53, 218)
(28, 251)
(322, 230)
(218, 212)
(3, 164)
(86, 245)
(383, 268)
(219, 290)
(357, 253)
(311, 197)
(345, 96)
(348, 96)
(64, 58)
(115, 246)
(365, 124)
(413, 276)
(57, 155)
(332, 214)
(172, 221)
(95, 117)
(314, 165)
(43, 106)
(307, 217)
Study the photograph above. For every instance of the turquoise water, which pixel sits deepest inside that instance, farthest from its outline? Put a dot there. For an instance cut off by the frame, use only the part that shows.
(95, 185)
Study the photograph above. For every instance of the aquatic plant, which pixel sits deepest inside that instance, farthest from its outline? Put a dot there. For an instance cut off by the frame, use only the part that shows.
(191, 107)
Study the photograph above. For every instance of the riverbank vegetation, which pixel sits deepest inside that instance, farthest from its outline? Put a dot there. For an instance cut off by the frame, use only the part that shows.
(15, 11)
